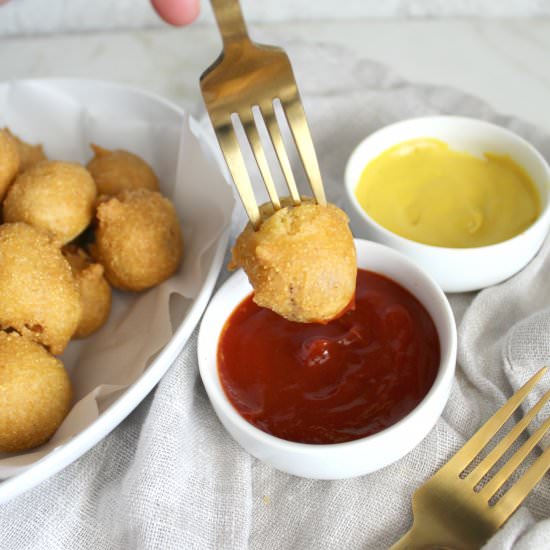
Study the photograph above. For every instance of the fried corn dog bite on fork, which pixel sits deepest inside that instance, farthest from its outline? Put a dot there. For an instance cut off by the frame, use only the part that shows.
(138, 239)
(56, 196)
(9, 161)
(95, 292)
(35, 393)
(301, 261)
(119, 170)
(38, 295)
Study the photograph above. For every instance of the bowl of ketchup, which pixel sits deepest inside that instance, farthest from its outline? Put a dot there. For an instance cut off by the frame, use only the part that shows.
(337, 400)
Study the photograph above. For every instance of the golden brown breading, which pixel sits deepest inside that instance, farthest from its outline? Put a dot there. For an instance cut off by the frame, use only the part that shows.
(35, 393)
(58, 197)
(28, 154)
(9, 161)
(138, 239)
(301, 261)
(38, 295)
(116, 171)
(95, 292)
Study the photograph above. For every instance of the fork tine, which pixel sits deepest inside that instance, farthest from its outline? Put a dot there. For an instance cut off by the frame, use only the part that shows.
(515, 460)
(276, 139)
(490, 460)
(234, 159)
(253, 136)
(296, 119)
(474, 445)
(515, 496)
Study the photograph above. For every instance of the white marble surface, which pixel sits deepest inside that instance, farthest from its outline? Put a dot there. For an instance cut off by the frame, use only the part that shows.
(504, 62)
(40, 16)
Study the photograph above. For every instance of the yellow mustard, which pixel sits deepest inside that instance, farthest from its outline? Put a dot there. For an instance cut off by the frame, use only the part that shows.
(425, 191)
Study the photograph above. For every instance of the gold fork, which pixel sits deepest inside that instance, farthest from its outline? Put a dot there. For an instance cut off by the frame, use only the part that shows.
(451, 510)
(248, 75)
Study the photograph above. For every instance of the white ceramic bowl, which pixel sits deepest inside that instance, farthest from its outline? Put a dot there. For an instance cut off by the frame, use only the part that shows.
(60, 113)
(456, 269)
(341, 460)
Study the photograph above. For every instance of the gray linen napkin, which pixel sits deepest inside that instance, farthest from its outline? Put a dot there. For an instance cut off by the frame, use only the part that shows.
(171, 477)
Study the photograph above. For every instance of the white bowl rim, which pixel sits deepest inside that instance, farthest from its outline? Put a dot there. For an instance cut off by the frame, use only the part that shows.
(350, 185)
(71, 450)
(447, 362)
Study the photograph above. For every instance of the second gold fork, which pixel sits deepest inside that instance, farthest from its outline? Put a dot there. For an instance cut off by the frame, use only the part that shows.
(453, 509)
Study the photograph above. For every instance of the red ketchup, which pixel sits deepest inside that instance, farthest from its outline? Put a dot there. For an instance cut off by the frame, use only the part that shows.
(331, 383)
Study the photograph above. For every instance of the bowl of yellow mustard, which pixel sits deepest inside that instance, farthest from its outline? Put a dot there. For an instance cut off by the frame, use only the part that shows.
(468, 200)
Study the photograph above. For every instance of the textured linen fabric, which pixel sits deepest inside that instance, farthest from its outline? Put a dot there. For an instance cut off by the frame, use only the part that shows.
(170, 477)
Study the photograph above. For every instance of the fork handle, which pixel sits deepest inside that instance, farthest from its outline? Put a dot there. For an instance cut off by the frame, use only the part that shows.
(406, 542)
(418, 539)
(230, 21)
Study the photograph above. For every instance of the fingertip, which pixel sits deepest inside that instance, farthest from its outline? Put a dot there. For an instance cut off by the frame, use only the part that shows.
(177, 12)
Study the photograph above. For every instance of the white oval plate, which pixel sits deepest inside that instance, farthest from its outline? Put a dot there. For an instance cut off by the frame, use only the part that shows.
(50, 112)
